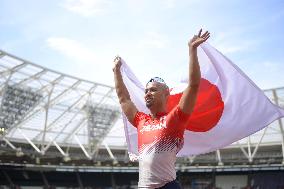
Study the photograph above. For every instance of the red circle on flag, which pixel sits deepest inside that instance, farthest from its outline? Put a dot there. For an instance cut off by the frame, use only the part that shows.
(208, 108)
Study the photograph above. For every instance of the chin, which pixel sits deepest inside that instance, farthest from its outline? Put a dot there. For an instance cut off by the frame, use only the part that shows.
(149, 105)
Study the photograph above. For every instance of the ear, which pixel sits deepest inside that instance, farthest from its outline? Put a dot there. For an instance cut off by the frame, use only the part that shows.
(167, 91)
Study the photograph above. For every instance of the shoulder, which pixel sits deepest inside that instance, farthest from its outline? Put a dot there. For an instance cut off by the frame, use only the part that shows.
(177, 113)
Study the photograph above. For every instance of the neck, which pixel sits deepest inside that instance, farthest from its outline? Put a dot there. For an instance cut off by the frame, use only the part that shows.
(154, 112)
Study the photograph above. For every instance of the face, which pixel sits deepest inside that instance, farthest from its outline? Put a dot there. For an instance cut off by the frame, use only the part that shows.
(155, 94)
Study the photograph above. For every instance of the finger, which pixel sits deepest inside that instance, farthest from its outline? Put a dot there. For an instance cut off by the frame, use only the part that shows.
(205, 34)
(199, 33)
(117, 57)
(202, 40)
(207, 37)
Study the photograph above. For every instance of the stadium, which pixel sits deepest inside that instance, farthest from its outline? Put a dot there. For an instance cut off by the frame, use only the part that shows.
(60, 131)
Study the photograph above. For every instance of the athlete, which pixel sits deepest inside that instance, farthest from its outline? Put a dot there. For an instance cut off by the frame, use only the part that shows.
(160, 133)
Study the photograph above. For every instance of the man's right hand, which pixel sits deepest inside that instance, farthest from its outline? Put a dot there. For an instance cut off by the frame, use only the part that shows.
(117, 63)
(127, 105)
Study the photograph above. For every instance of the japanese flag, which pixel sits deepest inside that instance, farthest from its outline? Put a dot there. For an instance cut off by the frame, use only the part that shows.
(229, 105)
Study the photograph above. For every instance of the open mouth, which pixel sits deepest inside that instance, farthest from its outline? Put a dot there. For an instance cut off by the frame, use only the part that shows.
(148, 100)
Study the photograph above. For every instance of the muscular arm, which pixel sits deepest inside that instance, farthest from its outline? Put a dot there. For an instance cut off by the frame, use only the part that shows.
(127, 105)
(189, 96)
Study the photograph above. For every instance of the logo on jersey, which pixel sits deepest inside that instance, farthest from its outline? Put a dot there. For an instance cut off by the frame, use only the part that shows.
(152, 126)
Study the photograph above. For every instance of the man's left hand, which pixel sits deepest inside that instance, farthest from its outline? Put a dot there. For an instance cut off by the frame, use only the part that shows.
(198, 39)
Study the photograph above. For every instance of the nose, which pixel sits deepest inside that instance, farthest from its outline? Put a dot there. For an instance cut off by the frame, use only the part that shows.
(148, 93)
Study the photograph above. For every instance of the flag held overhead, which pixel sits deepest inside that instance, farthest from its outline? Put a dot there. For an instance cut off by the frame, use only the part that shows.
(229, 105)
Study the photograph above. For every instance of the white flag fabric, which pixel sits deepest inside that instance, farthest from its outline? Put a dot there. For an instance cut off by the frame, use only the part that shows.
(229, 105)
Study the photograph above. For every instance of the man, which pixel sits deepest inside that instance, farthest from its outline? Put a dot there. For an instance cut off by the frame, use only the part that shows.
(160, 134)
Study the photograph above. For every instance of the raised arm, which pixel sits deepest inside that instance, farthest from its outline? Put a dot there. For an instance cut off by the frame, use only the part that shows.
(189, 96)
(127, 105)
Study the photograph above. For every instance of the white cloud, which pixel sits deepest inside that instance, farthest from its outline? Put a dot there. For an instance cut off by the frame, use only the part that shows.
(226, 48)
(169, 3)
(272, 66)
(71, 48)
(154, 40)
(86, 8)
(229, 42)
(85, 62)
(266, 74)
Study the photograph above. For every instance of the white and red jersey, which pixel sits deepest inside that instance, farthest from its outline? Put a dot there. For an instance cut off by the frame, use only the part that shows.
(159, 140)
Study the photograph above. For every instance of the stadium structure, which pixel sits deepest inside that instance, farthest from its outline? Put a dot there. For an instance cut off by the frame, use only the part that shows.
(59, 131)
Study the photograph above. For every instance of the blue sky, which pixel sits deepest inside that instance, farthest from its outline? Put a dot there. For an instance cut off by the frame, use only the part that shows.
(81, 37)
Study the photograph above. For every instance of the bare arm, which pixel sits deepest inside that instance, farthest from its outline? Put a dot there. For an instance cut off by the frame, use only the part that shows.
(127, 105)
(189, 96)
